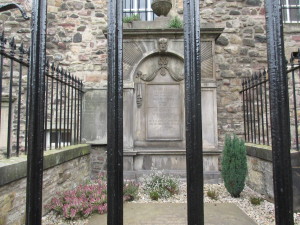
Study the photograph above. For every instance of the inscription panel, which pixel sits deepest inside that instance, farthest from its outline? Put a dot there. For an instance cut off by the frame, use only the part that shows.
(164, 112)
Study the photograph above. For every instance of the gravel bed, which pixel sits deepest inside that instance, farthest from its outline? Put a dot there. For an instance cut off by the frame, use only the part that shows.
(263, 214)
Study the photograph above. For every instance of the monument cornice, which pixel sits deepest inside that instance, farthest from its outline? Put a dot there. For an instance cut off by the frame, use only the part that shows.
(129, 33)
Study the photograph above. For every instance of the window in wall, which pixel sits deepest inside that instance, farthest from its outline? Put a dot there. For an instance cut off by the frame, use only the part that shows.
(291, 11)
(140, 7)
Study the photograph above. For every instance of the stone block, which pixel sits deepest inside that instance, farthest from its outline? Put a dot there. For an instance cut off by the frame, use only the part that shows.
(77, 38)
(94, 127)
(249, 42)
(223, 41)
(253, 2)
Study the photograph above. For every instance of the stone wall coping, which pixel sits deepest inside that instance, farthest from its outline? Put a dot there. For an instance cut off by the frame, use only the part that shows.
(15, 168)
(264, 152)
(132, 32)
(259, 151)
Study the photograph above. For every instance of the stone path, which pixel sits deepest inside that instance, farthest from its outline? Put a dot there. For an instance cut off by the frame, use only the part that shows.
(175, 214)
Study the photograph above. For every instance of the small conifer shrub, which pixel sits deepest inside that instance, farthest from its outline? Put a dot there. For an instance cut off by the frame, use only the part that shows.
(234, 165)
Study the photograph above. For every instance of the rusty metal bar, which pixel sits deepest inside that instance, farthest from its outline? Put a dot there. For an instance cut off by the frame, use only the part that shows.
(280, 119)
(36, 120)
(115, 114)
(194, 148)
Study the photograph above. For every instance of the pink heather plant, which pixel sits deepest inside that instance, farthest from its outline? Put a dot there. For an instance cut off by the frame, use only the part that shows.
(87, 199)
(81, 202)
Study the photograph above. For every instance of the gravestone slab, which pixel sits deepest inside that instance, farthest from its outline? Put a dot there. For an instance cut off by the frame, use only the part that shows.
(94, 118)
(164, 117)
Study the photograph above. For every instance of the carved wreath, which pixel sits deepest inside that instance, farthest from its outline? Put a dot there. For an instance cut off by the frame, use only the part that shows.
(162, 69)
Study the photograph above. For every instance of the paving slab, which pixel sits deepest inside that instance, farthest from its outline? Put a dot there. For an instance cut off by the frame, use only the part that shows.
(176, 214)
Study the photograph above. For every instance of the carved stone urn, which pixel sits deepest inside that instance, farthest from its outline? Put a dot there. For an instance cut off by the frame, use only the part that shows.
(161, 7)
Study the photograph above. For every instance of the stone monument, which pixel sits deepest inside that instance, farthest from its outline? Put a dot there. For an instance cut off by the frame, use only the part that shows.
(154, 112)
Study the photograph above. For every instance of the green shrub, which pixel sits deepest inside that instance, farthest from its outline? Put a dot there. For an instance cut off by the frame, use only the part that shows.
(159, 185)
(130, 191)
(176, 23)
(129, 19)
(154, 195)
(234, 165)
(256, 201)
(212, 194)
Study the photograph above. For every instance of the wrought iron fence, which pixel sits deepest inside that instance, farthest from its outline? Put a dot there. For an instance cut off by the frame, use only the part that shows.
(256, 105)
(63, 102)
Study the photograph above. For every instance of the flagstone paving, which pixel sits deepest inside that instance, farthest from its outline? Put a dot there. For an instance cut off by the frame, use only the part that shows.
(176, 214)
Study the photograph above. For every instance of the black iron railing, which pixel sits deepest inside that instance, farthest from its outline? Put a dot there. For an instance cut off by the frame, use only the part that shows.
(256, 108)
(63, 102)
(256, 105)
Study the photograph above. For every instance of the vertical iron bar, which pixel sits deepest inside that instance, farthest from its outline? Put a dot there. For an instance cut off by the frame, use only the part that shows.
(266, 104)
(12, 52)
(60, 105)
(194, 148)
(27, 103)
(247, 109)
(68, 119)
(78, 110)
(56, 108)
(75, 109)
(262, 107)
(253, 107)
(51, 106)
(295, 104)
(244, 110)
(131, 3)
(115, 114)
(250, 106)
(146, 10)
(71, 123)
(257, 106)
(81, 96)
(36, 121)
(46, 104)
(280, 120)
(21, 49)
(65, 104)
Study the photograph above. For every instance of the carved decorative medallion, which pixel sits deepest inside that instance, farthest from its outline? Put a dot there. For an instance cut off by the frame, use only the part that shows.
(163, 44)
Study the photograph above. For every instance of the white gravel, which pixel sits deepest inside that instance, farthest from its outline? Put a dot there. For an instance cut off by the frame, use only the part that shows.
(263, 214)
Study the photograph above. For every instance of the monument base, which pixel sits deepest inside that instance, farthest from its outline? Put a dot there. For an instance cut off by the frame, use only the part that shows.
(146, 161)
